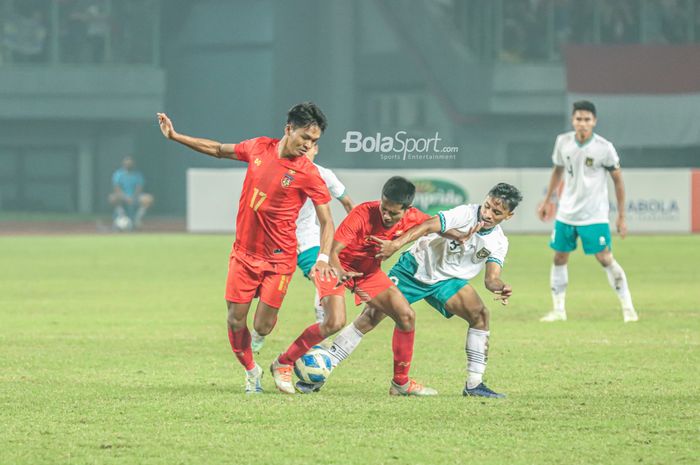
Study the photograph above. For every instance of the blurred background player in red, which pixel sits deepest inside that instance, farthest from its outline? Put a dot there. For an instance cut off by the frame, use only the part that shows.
(354, 256)
(278, 181)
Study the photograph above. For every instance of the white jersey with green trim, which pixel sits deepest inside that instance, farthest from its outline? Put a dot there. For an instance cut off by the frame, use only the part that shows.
(308, 229)
(439, 258)
(584, 199)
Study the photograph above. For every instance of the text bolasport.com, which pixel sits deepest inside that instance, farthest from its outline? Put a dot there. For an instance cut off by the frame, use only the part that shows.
(399, 146)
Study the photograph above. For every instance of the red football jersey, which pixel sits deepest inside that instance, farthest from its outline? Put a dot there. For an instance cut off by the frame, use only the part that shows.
(274, 191)
(366, 220)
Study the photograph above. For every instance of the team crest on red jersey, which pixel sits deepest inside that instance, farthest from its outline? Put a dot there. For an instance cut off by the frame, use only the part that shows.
(287, 180)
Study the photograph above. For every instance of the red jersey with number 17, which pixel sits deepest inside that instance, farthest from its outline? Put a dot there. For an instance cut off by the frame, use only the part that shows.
(366, 220)
(274, 190)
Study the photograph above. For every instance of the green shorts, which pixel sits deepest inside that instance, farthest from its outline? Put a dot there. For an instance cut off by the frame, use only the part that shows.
(594, 237)
(307, 259)
(437, 295)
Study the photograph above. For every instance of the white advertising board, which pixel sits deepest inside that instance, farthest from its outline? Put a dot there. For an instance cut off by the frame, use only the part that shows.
(657, 200)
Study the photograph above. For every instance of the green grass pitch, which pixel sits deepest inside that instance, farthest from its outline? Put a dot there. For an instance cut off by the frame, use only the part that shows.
(113, 349)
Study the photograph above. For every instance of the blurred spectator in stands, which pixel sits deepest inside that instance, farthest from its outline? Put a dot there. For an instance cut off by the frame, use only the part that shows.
(666, 22)
(134, 33)
(87, 26)
(696, 22)
(582, 22)
(561, 12)
(129, 201)
(517, 17)
(619, 22)
(25, 31)
(525, 30)
(674, 21)
(513, 45)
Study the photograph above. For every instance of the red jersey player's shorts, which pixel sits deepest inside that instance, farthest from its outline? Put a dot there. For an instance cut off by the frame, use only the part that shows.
(250, 277)
(365, 288)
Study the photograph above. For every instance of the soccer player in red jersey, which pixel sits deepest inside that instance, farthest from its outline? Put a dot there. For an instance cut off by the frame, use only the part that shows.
(279, 180)
(354, 256)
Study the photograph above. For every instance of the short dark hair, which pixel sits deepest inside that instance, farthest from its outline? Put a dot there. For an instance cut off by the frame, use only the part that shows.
(399, 190)
(306, 114)
(506, 193)
(584, 105)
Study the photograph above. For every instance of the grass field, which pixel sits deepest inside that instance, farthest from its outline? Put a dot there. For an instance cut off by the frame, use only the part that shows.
(113, 349)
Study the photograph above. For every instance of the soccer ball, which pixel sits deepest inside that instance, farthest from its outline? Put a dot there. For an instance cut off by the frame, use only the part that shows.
(122, 223)
(314, 366)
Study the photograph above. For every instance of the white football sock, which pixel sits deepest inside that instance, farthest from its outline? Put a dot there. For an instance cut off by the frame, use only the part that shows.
(139, 214)
(320, 314)
(255, 336)
(345, 342)
(618, 281)
(477, 348)
(558, 280)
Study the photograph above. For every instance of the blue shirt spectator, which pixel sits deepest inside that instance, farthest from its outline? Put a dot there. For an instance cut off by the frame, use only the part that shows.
(129, 201)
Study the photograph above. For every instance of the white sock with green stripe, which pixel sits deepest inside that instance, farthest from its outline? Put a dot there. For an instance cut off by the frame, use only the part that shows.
(559, 280)
(477, 354)
(618, 281)
(345, 342)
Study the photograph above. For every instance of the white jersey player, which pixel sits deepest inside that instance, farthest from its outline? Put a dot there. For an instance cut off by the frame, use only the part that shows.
(309, 235)
(438, 267)
(582, 160)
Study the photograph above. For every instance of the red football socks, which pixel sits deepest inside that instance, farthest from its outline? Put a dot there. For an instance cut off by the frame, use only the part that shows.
(309, 338)
(240, 343)
(402, 345)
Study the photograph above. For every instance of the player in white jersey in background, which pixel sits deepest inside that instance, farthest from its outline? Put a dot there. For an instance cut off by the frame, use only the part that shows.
(583, 158)
(438, 269)
(308, 236)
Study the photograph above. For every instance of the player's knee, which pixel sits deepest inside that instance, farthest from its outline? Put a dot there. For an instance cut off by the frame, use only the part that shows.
(235, 321)
(334, 323)
(478, 317)
(263, 328)
(605, 258)
(406, 319)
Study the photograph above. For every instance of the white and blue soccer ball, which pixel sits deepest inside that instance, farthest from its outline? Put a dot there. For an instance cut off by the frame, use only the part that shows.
(122, 223)
(314, 366)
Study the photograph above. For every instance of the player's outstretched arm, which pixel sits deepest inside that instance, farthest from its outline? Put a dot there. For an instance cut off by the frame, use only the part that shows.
(389, 248)
(205, 146)
(347, 202)
(620, 223)
(325, 220)
(554, 181)
(493, 282)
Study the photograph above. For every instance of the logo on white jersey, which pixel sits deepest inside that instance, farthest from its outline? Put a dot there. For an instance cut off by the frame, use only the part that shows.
(483, 253)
